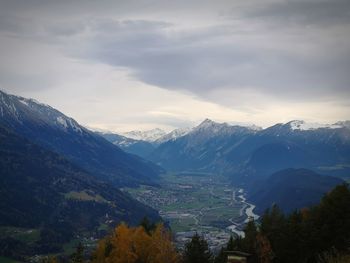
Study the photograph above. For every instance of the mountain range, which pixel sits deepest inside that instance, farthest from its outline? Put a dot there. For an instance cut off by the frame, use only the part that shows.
(53, 130)
(285, 164)
(243, 152)
(148, 136)
(61, 180)
(148, 141)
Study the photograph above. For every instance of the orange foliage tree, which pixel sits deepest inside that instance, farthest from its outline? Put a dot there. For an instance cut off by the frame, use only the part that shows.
(135, 245)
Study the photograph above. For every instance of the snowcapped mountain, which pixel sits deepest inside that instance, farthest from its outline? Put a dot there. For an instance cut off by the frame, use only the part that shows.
(148, 136)
(199, 148)
(20, 109)
(212, 128)
(305, 126)
(51, 129)
(232, 149)
(140, 147)
(173, 135)
(137, 147)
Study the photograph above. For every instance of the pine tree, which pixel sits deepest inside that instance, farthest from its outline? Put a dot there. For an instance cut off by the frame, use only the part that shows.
(78, 255)
(249, 242)
(197, 251)
(231, 244)
(147, 225)
(221, 256)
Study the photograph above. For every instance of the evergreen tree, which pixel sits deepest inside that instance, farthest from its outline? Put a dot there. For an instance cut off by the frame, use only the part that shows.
(231, 244)
(249, 242)
(78, 255)
(49, 259)
(147, 225)
(221, 257)
(197, 251)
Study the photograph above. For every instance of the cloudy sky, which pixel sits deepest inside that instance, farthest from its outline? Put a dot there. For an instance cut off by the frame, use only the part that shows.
(124, 64)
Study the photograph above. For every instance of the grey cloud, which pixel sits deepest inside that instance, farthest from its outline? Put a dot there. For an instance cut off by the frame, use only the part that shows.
(202, 63)
(224, 56)
(302, 12)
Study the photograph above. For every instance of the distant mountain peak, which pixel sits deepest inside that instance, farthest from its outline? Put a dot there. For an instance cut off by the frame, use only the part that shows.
(304, 126)
(344, 124)
(20, 108)
(173, 135)
(149, 136)
(207, 123)
(55, 131)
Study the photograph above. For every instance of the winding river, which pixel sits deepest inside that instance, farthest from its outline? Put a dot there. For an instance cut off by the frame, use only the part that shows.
(247, 210)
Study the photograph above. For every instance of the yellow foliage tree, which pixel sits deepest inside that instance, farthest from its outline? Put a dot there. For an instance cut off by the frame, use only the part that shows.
(134, 245)
(123, 249)
(162, 249)
(142, 243)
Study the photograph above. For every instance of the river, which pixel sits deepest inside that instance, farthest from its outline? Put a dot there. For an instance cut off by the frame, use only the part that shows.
(248, 210)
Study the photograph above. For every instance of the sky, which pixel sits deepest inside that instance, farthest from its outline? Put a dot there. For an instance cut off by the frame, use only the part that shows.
(135, 65)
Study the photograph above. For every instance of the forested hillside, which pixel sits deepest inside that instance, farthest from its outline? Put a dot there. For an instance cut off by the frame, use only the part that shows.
(318, 234)
(43, 193)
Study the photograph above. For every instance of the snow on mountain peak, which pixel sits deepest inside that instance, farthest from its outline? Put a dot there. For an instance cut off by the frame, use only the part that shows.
(173, 135)
(209, 124)
(150, 135)
(305, 126)
(19, 108)
(342, 124)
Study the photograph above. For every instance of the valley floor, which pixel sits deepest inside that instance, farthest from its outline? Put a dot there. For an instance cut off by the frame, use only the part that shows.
(203, 203)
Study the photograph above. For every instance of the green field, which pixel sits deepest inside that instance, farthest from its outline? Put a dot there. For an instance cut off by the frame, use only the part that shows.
(7, 260)
(26, 235)
(191, 202)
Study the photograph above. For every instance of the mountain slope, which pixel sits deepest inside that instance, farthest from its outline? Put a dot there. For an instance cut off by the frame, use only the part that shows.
(148, 136)
(43, 190)
(285, 146)
(244, 152)
(173, 135)
(201, 149)
(291, 189)
(137, 147)
(53, 130)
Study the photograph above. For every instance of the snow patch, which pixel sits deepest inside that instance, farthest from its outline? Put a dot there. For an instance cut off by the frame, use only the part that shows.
(24, 102)
(150, 136)
(173, 135)
(305, 126)
(62, 121)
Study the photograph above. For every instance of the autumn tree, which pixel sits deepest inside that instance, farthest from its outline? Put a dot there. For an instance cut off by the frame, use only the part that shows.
(263, 249)
(135, 245)
(162, 249)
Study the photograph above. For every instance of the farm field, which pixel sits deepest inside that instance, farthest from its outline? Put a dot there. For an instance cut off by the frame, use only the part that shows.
(202, 203)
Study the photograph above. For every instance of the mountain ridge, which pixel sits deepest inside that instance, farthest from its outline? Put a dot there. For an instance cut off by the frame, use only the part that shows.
(242, 152)
(291, 189)
(53, 130)
(43, 190)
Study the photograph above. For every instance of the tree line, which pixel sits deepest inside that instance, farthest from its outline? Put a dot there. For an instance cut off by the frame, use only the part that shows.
(320, 234)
